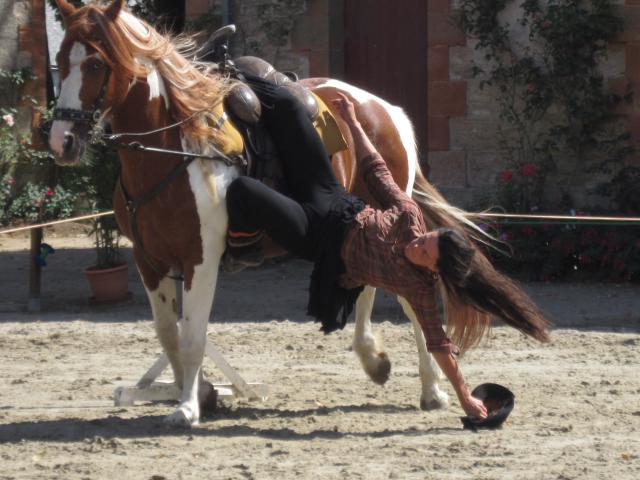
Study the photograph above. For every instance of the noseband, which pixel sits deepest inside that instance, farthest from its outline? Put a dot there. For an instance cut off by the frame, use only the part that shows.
(88, 117)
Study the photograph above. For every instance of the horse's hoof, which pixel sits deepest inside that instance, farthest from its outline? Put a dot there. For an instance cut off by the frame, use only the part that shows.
(183, 417)
(438, 401)
(380, 368)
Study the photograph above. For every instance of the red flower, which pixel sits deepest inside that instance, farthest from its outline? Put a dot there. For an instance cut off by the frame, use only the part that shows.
(528, 170)
(546, 24)
(49, 193)
(506, 176)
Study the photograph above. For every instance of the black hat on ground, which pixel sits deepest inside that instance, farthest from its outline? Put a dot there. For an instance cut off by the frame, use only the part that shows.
(499, 402)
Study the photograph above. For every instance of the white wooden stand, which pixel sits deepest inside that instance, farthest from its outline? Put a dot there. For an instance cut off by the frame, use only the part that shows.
(149, 390)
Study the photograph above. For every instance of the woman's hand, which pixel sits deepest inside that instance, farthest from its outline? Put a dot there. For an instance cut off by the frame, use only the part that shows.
(473, 407)
(346, 109)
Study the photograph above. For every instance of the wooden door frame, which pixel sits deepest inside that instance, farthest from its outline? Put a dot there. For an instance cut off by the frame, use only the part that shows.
(337, 59)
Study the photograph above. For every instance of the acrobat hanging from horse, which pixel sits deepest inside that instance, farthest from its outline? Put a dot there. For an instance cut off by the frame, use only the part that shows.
(180, 148)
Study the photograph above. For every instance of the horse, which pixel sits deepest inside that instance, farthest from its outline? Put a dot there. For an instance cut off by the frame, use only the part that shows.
(116, 68)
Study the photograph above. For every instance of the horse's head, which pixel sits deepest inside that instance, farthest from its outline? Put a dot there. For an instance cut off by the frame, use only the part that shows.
(88, 73)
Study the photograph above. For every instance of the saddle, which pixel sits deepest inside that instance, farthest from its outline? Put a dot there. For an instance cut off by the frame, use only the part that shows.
(244, 108)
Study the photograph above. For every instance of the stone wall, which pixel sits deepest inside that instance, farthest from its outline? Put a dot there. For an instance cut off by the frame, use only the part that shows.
(464, 154)
(290, 34)
(24, 45)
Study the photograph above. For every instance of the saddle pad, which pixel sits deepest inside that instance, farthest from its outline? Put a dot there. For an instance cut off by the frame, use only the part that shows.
(234, 144)
(328, 129)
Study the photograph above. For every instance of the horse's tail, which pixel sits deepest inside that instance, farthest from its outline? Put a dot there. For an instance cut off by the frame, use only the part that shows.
(468, 312)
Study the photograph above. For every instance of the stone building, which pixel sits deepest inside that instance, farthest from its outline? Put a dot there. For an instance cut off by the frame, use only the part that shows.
(23, 39)
(412, 53)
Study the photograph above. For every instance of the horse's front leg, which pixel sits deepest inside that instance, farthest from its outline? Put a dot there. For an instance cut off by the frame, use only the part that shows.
(164, 306)
(374, 360)
(197, 299)
(432, 397)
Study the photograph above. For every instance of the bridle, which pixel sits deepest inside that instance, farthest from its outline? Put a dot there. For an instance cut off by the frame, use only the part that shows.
(92, 118)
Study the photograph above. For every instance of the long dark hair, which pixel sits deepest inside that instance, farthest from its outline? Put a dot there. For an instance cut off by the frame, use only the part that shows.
(470, 279)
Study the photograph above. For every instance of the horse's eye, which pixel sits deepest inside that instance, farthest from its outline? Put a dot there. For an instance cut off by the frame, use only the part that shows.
(96, 65)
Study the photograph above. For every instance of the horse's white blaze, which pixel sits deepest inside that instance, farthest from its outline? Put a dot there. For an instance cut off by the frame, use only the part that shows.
(399, 118)
(69, 96)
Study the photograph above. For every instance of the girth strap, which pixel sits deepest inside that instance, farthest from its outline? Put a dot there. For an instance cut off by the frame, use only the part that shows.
(132, 205)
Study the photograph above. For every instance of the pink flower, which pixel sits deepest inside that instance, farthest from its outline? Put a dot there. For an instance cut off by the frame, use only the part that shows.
(8, 119)
(528, 170)
(532, 88)
(49, 193)
(546, 24)
(506, 176)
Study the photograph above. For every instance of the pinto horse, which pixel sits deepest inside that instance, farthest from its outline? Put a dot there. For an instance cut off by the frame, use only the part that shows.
(116, 68)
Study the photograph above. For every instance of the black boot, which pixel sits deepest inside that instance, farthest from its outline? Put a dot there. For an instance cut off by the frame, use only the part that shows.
(242, 252)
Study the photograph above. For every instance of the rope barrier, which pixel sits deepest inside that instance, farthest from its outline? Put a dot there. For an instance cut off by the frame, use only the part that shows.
(57, 222)
(522, 219)
(527, 219)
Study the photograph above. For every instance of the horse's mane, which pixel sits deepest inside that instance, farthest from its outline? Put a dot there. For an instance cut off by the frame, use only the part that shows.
(192, 88)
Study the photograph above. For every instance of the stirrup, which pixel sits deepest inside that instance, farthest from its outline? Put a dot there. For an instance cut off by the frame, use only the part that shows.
(235, 260)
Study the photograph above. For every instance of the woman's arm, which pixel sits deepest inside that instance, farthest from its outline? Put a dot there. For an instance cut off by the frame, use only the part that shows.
(471, 405)
(362, 144)
(377, 176)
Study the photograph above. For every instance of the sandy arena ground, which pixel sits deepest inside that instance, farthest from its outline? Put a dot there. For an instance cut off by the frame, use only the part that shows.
(577, 413)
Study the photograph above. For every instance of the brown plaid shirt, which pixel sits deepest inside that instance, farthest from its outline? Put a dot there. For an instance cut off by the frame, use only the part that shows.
(373, 251)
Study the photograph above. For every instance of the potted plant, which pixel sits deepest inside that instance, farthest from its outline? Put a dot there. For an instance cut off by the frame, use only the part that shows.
(109, 276)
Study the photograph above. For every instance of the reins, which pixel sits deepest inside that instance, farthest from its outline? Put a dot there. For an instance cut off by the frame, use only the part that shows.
(93, 119)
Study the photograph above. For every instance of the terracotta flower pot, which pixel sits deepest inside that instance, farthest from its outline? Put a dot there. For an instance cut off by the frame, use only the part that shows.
(108, 285)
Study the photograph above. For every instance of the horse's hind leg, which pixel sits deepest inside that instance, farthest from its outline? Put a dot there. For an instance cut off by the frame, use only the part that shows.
(432, 397)
(375, 362)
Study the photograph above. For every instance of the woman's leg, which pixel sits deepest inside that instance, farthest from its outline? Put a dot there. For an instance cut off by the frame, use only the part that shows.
(306, 164)
(254, 207)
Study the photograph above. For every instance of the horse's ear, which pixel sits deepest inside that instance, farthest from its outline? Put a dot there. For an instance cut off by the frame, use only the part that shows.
(113, 10)
(66, 8)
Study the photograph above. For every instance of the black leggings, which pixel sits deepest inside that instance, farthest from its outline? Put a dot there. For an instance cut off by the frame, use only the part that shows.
(293, 222)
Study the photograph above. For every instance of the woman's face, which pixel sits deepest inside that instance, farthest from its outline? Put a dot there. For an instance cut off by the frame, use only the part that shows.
(423, 251)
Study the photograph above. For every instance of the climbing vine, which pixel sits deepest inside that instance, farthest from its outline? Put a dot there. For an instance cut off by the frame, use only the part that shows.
(556, 113)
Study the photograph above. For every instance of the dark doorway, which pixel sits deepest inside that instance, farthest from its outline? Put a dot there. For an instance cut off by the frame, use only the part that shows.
(171, 15)
(385, 52)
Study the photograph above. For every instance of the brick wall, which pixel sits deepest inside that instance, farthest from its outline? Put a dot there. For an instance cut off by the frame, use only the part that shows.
(32, 44)
(447, 101)
(464, 154)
